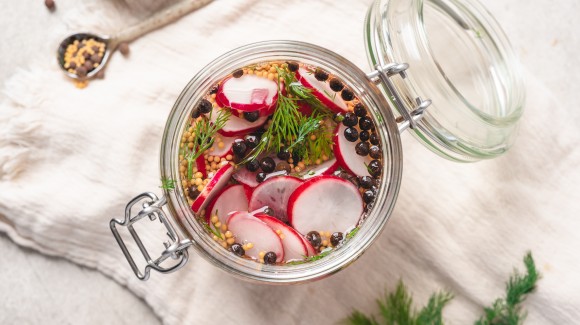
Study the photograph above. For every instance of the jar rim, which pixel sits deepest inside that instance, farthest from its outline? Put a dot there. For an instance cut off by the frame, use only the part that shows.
(363, 88)
(387, 20)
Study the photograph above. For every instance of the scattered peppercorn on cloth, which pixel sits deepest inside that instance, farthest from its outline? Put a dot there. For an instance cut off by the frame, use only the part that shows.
(70, 159)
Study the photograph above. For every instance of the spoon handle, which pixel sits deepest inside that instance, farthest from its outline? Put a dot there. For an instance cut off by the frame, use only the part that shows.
(159, 19)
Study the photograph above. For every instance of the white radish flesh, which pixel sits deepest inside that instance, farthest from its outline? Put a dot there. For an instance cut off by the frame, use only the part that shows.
(274, 193)
(346, 155)
(325, 203)
(215, 185)
(231, 198)
(247, 93)
(249, 229)
(294, 247)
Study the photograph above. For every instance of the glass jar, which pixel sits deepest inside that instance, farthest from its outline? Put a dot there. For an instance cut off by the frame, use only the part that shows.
(477, 100)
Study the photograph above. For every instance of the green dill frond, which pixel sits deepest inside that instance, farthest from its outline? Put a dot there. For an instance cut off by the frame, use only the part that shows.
(396, 307)
(433, 312)
(167, 184)
(509, 310)
(205, 132)
(358, 318)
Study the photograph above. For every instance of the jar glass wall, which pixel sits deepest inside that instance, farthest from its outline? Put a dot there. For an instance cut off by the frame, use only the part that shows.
(460, 58)
(369, 95)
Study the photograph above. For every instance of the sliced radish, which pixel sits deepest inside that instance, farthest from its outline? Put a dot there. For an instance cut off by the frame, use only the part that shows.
(326, 168)
(249, 229)
(201, 165)
(311, 251)
(246, 177)
(325, 203)
(322, 91)
(294, 247)
(346, 155)
(237, 126)
(217, 182)
(247, 93)
(248, 191)
(274, 193)
(231, 198)
(215, 149)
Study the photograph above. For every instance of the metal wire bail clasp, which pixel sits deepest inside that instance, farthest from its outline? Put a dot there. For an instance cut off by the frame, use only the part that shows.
(409, 117)
(176, 247)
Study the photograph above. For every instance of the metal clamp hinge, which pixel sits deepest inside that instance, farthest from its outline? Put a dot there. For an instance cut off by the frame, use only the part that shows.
(175, 247)
(409, 116)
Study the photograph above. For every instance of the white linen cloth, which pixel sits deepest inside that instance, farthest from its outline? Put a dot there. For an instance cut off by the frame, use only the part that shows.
(70, 159)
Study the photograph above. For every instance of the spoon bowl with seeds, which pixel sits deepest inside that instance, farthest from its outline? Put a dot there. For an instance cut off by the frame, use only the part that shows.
(83, 55)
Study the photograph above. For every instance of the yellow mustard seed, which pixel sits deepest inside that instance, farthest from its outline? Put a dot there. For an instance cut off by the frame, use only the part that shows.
(200, 188)
(229, 234)
(230, 241)
(214, 219)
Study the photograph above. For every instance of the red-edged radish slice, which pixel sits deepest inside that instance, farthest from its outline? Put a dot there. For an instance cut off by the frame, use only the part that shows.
(311, 251)
(248, 191)
(231, 198)
(326, 168)
(322, 91)
(217, 182)
(237, 126)
(201, 165)
(294, 248)
(247, 93)
(346, 155)
(249, 229)
(222, 152)
(325, 203)
(274, 193)
(246, 177)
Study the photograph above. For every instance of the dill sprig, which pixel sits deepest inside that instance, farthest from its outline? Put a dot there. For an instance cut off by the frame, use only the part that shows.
(397, 307)
(508, 310)
(168, 184)
(204, 132)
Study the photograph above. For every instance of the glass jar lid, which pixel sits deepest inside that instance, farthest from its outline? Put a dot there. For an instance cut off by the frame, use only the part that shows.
(459, 58)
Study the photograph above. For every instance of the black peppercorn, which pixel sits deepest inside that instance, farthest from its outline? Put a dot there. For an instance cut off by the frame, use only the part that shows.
(251, 140)
(267, 164)
(270, 258)
(195, 113)
(260, 177)
(283, 155)
(350, 119)
(193, 193)
(366, 182)
(368, 196)
(336, 238)
(364, 136)
(365, 123)
(320, 74)
(374, 138)
(253, 165)
(238, 73)
(351, 134)
(314, 238)
(362, 148)
(293, 66)
(213, 90)
(347, 94)
(375, 152)
(204, 106)
(375, 168)
(239, 147)
(360, 110)
(335, 84)
(237, 249)
(252, 116)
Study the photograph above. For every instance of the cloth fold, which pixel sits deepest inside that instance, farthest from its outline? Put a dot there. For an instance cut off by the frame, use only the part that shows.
(70, 159)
